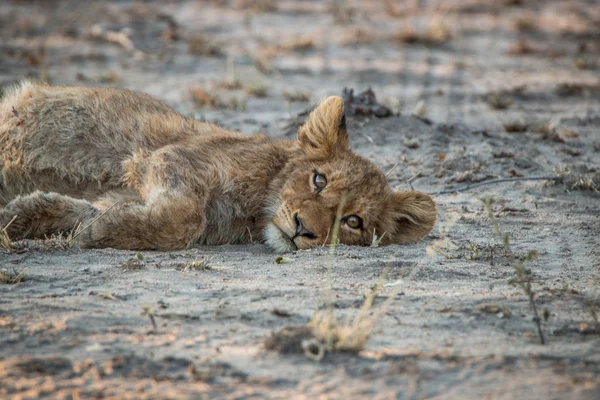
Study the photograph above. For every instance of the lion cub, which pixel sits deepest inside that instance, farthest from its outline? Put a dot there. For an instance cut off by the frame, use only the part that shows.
(138, 175)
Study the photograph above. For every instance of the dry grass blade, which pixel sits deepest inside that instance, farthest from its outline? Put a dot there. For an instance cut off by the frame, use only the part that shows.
(387, 175)
(150, 313)
(435, 34)
(499, 180)
(80, 231)
(523, 277)
(5, 242)
(12, 278)
(594, 314)
(352, 334)
(329, 333)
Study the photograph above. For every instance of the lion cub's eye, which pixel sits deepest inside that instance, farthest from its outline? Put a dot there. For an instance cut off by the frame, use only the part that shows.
(354, 222)
(320, 181)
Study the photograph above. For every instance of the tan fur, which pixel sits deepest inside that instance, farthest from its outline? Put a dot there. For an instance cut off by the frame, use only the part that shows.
(149, 178)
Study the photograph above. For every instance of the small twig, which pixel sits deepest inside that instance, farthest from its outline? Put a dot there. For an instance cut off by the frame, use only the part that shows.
(369, 138)
(326, 237)
(594, 314)
(411, 179)
(5, 241)
(10, 222)
(536, 316)
(523, 277)
(150, 313)
(494, 181)
(391, 170)
(93, 221)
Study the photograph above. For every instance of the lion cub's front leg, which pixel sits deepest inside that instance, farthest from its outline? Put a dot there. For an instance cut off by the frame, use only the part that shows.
(174, 221)
(171, 217)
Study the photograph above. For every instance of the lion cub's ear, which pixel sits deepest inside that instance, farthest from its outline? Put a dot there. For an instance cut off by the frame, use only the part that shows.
(411, 216)
(323, 135)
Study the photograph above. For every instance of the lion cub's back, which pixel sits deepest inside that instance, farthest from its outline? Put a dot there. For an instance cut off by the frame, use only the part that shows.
(82, 134)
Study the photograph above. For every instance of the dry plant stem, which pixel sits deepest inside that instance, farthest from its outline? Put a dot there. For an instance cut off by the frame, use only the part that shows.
(5, 241)
(391, 170)
(147, 311)
(152, 320)
(93, 221)
(538, 322)
(494, 181)
(352, 334)
(334, 241)
(412, 178)
(523, 278)
(13, 279)
(368, 303)
(594, 314)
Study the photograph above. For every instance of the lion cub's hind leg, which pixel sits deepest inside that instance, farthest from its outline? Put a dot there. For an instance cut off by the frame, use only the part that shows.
(169, 213)
(40, 215)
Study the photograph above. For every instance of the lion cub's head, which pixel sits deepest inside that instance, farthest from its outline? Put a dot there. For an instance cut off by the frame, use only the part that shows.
(327, 174)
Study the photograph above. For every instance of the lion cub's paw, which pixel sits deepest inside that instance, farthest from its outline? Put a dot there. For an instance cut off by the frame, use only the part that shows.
(38, 215)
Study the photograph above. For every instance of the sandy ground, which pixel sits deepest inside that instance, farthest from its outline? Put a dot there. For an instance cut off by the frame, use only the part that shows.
(453, 326)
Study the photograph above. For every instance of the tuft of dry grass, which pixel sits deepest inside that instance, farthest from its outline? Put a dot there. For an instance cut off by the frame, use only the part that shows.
(258, 5)
(515, 127)
(289, 339)
(198, 45)
(51, 243)
(202, 98)
(229, 84)
(264, 60)
(580, 181)
(498, 100)
(585, 63)
(342, 12)
(395, 11)
(359, 36)
(568, 89)
(298, 95)
(256, 89)
(196, 265)
(5, 241)
(226, 93)
(12, 277)
(525, 22)
(132, 265)
(351, 335)
(552, 130)
(522, 47)
(297, 43)
(435, 34)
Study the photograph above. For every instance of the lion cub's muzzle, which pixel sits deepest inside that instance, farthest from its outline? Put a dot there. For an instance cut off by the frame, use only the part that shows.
(302, 227)
(304, 237)
(301, 230)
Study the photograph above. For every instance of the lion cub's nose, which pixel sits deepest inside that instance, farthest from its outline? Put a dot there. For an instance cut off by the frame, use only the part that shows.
(301, 229)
